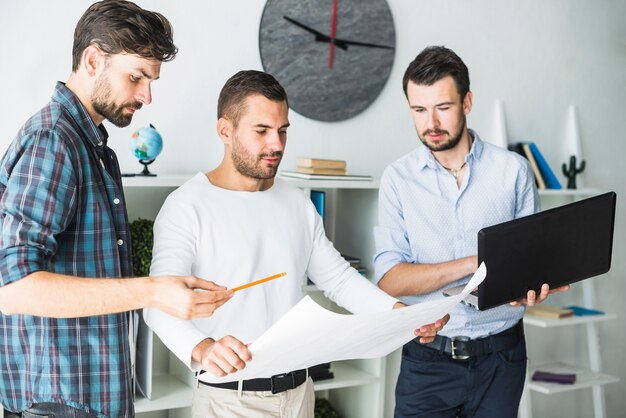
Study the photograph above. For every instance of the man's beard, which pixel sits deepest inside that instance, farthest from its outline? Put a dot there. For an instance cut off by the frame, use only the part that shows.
(449, 144)
(249, 165)
(106, 107)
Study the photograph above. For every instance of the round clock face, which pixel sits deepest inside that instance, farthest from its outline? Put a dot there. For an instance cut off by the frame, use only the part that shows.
(333, 57)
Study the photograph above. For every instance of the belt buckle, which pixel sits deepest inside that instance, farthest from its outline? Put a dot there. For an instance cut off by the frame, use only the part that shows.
(276, 390)
(453, 347)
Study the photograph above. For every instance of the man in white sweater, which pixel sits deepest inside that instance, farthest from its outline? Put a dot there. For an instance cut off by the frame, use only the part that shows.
(235, 224)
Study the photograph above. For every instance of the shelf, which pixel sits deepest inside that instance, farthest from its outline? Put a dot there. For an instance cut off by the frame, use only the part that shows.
(561, 322)
(345, 376)
(161, 180)
(584, 379)
(332, 184)
(167, 393)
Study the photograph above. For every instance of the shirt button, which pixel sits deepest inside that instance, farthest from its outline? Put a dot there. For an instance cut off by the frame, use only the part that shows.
(116, 201)
(120, 242)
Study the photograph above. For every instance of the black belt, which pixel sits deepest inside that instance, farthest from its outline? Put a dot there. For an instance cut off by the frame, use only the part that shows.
(276, 384)
(462, 348)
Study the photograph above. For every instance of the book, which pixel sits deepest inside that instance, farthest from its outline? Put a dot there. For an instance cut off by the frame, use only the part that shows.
(315, 170)
(319, 200)
(305, 176)
(549, 311)
(580, 311)
(533, 164)
(523, 149)
(552, 182)
(562, 378)
(320, 163)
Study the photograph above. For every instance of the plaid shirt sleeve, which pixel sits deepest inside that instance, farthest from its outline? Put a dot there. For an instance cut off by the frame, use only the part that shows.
(38, 200)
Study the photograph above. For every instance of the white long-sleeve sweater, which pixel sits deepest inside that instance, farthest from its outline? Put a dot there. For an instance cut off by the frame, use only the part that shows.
(236, 237)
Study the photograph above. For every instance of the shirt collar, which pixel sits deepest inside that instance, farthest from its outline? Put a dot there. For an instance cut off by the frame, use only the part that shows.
(96, 135)
(425, 157)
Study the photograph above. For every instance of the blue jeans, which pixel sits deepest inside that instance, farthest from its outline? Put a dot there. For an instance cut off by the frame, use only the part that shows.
(51, 410)
(431, 384)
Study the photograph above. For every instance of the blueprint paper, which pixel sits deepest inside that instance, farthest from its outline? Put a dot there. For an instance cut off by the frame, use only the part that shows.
(309, 334)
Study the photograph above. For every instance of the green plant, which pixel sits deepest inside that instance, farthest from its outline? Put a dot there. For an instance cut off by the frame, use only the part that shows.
(323, 409)
(141, 246)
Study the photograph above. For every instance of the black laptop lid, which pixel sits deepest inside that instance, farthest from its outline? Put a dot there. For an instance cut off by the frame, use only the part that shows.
(557, 246)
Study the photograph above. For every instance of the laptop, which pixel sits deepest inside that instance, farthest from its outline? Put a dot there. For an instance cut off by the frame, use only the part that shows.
(558, 246)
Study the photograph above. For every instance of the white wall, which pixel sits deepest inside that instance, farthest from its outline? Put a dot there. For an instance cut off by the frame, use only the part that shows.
(538, 57)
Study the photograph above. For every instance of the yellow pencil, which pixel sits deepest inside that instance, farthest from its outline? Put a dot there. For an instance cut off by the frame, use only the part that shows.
(267, 279)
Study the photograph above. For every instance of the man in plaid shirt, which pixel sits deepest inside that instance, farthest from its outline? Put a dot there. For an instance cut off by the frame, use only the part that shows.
(65, 263)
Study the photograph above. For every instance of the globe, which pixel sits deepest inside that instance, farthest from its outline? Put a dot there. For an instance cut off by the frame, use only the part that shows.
(146, 144)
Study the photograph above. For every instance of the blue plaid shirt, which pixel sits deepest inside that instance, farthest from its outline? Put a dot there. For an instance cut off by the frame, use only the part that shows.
(62, 210)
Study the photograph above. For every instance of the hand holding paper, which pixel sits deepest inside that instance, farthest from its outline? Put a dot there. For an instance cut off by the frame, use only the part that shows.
(309, 335)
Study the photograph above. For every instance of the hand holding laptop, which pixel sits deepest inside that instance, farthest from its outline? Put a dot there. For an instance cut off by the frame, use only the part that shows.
(532, 299)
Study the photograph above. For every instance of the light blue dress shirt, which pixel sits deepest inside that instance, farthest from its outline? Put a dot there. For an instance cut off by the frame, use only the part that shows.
(425, 218)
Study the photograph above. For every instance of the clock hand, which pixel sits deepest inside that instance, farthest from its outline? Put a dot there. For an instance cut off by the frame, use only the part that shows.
(333, 32)
(319, 36)
(347, 42)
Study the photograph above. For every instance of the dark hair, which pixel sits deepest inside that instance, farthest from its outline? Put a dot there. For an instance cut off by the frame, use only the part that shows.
(435, 63)
(231, 102)
(117, 26)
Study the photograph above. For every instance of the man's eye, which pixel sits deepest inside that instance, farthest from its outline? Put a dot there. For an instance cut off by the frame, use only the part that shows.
(134, 79)
(444, 108)
(261, 132)
(419, 110)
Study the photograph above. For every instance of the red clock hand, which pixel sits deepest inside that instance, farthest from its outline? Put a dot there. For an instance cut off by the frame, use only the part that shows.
(333, 29)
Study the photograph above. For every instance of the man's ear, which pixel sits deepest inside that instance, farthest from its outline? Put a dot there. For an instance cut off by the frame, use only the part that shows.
(467, 103)
(225, 130)
(92, 59)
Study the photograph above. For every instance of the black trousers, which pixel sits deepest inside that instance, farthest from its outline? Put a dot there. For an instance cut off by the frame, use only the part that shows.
(433, 385)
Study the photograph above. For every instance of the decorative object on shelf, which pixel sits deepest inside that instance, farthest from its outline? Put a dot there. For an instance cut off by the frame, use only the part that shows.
(332, 60)
(141, 246)
(572, 144)
(146, 144)
(572, 171)
(323, 409)
(500, 137)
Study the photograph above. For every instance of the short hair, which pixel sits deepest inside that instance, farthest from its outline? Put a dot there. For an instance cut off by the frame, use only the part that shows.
(231, 102)
(435, 63)
(117, 26)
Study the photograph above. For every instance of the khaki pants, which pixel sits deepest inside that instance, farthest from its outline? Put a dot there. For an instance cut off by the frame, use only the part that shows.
(226, 403)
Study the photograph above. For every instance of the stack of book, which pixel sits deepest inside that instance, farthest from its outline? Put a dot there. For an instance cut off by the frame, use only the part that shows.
(321, 166)
(544, 176)
(321, 169)
(549, 311)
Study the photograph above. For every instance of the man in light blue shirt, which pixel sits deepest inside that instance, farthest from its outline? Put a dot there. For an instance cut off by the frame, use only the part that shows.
(432, 203)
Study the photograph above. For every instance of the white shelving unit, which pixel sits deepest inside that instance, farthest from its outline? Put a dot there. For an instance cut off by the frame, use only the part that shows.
(357, 389)
(590, 377)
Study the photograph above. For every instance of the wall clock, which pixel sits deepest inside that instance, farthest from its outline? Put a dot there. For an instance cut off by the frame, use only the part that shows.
(333, 57)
